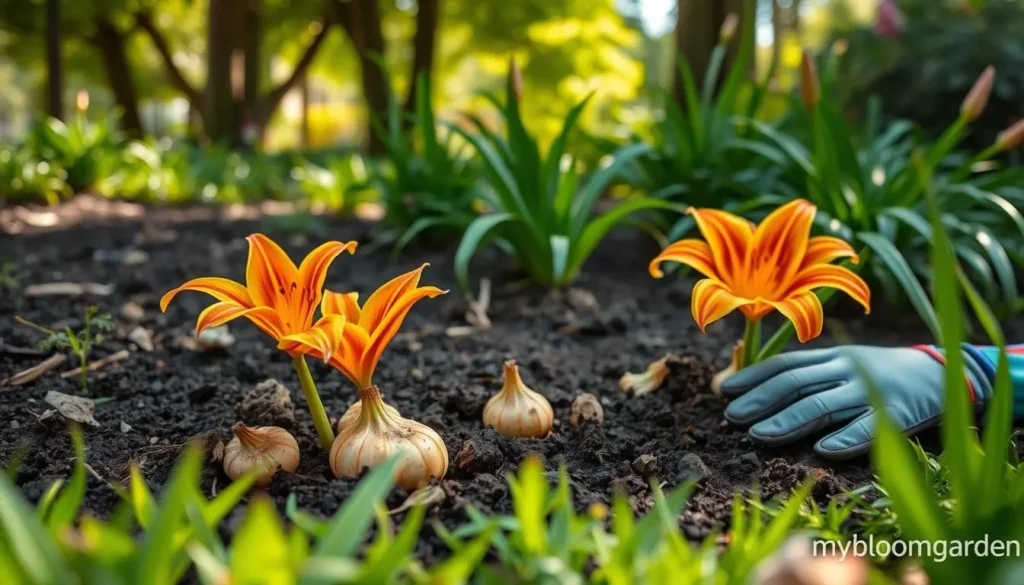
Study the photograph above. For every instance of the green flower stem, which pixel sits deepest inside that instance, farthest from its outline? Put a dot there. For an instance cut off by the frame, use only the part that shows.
(751, 343)
(316, 408)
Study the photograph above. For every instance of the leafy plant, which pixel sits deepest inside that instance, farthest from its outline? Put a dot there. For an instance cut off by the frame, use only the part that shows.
(26, 176)
(540, 209)
(86, 150)
(10, 275)
(427, 184)
(80, 343)
(985, 486)
(339, 184)
(701, 154)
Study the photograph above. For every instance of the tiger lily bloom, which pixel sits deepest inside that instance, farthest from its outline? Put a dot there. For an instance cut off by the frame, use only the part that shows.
(773, 266)
(352, 338)
(277, 297)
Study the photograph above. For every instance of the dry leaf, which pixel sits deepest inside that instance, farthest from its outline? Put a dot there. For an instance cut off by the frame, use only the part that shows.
(26, 376)
(76, 408)
(69, 289)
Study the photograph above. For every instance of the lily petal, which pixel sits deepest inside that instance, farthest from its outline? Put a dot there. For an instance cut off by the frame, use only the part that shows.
(825, 249)
(349, 357)
(313, 273)
(220, 313)
(270, 274)
(346, 304)
(384, 298)
(390, 323)
(320, 341)
(219, 288)
(805, 311)
(780, 242)
(694, 253)
(712, 300)
(729, 237)
(830, 275)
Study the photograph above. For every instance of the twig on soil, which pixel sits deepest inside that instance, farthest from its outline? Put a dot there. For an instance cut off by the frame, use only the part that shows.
(21, 351)
(110, 359)
(69, 289)
(26, 376)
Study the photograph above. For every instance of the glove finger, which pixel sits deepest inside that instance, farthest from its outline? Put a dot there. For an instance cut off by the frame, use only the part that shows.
(850, 441)
(750, 377)
(810, 415)
(784, 389)
(911, 417)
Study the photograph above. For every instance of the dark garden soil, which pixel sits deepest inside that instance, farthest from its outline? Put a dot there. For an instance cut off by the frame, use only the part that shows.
(616, 320)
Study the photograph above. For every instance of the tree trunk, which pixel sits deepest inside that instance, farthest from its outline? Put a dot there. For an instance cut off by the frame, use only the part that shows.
(424, 43)
(361, 20)
(111, 43)
(54, 65)
(252, 34)
(698, 26)
(223, 116)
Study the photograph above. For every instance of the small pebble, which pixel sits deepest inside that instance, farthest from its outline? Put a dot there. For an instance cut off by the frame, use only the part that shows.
(132, 311)
(154, 440)
(15, 424)
(125, 427)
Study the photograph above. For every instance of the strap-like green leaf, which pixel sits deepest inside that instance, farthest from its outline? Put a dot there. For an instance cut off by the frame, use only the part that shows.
(471, 240)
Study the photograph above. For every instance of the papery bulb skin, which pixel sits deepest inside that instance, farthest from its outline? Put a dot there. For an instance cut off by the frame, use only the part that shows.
(380, 432)
(272, 447)
(734, 366)
(517, 411)
(351, 415)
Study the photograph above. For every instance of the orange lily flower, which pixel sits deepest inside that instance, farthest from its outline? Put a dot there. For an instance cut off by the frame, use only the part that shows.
(278, 297)
(352, 338)
(771, 266)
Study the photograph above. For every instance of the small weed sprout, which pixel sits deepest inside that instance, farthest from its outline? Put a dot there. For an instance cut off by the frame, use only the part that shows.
(80, 342)
(10, 275)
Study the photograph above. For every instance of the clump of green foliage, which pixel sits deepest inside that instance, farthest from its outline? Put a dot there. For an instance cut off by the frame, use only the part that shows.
(10, 275)
(80, 343)
(427, 183)
(540, 209)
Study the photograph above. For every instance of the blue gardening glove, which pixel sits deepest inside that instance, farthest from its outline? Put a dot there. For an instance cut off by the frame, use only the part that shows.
(794, 395)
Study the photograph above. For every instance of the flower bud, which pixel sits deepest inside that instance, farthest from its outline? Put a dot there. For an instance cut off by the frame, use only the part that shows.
(1012, 137)
(976, 99)
(810, 85)
(515, 79)
(889, 19)
(728, 30)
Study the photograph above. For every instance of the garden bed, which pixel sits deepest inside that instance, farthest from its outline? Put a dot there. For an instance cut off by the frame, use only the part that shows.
(617, 319)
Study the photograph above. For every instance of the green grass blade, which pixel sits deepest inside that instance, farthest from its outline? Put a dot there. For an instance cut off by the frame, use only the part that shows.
(347, 528)
(65, 508)
(897, 265)
(475, 234)
(32, 550)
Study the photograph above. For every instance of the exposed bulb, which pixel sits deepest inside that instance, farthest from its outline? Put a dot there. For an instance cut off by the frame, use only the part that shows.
(380, 432)
(351, 415)
(734, 366)
(270, 447)
(517, 411)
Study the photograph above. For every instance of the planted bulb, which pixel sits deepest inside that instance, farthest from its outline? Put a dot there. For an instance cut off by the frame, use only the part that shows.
(517, 411)
(270, 448)
(351, 415)
(379, 433)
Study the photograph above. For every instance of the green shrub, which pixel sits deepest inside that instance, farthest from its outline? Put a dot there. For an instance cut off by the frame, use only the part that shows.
(539, 207)
(427, 184)
(85, 150)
